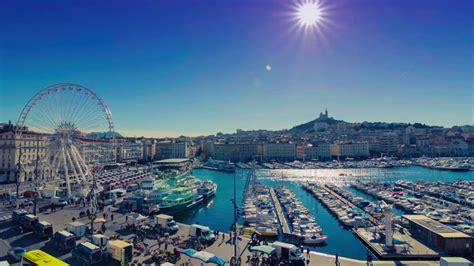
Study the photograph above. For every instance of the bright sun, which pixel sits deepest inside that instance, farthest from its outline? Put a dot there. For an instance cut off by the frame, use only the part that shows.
(309, 13)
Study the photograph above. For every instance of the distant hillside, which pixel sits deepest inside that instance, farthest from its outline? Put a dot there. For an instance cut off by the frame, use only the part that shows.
(310, 125)
(99, 135)
(364, 125)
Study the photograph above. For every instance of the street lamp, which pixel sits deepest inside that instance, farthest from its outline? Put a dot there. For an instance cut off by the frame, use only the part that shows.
(18, 176)
(236, 218)
(92, 199)
(36, 182)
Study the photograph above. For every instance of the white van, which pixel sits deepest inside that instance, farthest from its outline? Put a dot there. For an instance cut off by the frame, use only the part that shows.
(200, 231)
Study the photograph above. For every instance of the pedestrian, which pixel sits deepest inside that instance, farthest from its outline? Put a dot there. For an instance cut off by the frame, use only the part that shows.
(112, 217)
(307, 253)
(369, 259)
(73, 219)
(337, 260)
(166, 246)
(126, 218)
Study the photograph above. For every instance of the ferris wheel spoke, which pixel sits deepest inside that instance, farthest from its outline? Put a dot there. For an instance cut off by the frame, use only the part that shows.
(82, 166)
(81, 101)
(46, 115)
(70, 104)
(91, 117)
(42, 116)
(94, 126)
(84, 116)
(75, 155)
(51, 108)
(37, 126)
(90, 112)
(81, 160)
(72, 166)
(63, 166)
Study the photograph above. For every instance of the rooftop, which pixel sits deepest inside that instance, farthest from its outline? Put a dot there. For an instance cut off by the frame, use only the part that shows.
(435, 227)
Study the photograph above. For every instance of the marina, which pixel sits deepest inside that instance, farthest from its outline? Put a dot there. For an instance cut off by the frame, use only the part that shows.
(411, 198)
(346, 212)
(271, 194)
(301, 224)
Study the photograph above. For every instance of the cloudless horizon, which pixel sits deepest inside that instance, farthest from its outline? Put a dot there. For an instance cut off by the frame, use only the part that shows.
(169, 68)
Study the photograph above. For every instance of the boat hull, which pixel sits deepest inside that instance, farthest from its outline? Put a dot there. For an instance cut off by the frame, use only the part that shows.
(182, 207)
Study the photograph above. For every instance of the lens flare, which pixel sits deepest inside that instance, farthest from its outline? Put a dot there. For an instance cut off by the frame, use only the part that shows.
(309, 14)
(310, 18)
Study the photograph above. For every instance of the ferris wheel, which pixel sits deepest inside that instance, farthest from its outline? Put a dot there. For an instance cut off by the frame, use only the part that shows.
(65, 115)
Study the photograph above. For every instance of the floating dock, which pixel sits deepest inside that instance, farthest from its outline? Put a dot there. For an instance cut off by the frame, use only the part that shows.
(285, 228)
(281, 216)
(350, 204)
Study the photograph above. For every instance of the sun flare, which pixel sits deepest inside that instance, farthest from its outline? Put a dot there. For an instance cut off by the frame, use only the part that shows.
(309, 13)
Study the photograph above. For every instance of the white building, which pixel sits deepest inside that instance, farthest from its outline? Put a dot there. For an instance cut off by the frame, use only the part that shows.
(236, 152)
(354, 149)
(149, 150)
(31, 143)
(323, 151)
(459, 147)
(168, 150)
(285, 152)
(129, 150)
(389, 142)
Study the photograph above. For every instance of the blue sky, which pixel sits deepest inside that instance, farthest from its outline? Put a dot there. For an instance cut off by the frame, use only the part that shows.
(191, 67)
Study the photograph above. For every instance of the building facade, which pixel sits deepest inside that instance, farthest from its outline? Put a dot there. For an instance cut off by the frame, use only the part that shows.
(389, 142)
(281, 152)
(149, 150)
(353, 149)
(31, 144)
(323, 151)
(236, 152)
(168, 150)
(129, 150)
(97, 151)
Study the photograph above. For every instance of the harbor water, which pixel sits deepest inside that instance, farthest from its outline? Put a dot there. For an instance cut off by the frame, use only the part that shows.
(218, 212)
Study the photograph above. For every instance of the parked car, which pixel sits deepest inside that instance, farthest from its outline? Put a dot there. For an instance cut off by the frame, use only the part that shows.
(24, 202)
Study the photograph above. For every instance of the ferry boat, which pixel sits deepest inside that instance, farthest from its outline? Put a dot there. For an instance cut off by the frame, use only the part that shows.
(179, 199)
(178, 193)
